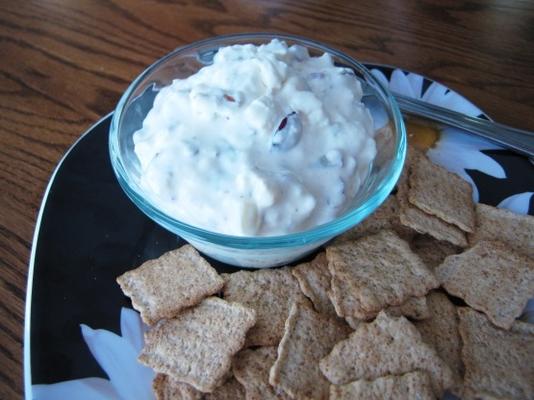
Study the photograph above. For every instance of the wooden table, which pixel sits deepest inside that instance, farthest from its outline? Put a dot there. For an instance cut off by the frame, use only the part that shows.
(64, 64)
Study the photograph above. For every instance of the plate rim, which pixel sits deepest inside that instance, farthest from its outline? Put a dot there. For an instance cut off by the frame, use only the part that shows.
(26, 356)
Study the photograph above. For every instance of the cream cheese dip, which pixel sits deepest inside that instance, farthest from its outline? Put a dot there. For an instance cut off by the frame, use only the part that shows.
(265, 141)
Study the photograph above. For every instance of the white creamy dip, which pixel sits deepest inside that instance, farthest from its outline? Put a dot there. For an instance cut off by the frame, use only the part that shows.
(265, 141)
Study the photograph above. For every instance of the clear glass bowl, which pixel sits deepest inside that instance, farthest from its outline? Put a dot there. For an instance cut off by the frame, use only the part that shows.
(264, 251)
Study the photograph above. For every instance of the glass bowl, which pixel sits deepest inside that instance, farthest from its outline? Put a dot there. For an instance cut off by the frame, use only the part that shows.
(259, 251)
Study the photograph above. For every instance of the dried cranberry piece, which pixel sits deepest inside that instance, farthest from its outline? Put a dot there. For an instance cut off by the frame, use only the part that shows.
(288, 133)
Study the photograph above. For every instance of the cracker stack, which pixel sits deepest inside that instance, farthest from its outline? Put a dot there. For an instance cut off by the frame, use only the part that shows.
(194, 335)
(270, 292)
(162, 288)
(308, 337)
(251, 369)
(412, 385)
(507, 284)
(372, 317)
(434, 201)
(374, 273)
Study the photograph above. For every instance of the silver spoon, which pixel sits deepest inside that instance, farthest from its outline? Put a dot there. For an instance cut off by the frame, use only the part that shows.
(518, 140)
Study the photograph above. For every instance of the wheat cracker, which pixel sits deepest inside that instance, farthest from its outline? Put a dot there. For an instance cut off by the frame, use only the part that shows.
(353, 322)
(386, 216)
(414, 308)
(163, 287)
(268, 291)
(373, 273)
(251, 369)
(421, 222)
(197, 346)
(412, 385)
(314, 281)
(498, 363)
(431, 250)
(491, 278)
(440, 331)
(441, 193)
(168, 388)
(308, 337)
(229, 390)
(387, 346)
(414, 218)
(516, 230)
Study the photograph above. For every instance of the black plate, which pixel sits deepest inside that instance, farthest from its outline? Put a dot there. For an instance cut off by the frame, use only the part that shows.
(88, 232)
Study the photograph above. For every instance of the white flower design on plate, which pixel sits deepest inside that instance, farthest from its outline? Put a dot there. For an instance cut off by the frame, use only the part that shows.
(117, 355)
(456, 150)
(518, 203)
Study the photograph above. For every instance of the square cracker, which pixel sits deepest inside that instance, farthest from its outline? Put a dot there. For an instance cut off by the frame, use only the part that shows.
(440, 331)
(386, 346)
(421, 222)
(431, 250)
(413, 308)
(268, 291)
(251, 369)
(412, 385)
(490, 278)
(375, 272)
(166, 387)
(497, 224)
(163, 287)
(169, 388)
(308, 337)
(353, 322)
(314, 281)
(498, 363)
(384, 217)
(197, 346)
(229, 390)
(441, 193)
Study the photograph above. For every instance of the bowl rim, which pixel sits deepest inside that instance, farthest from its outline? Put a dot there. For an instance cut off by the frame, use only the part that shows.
(317, 233)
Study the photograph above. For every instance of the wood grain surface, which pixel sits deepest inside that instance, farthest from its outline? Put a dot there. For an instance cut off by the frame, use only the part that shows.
(64, 64)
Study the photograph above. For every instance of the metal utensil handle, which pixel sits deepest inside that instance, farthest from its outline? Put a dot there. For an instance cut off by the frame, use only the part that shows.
(516, 139)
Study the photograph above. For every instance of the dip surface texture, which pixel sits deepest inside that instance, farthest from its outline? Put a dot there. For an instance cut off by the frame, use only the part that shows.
(265, 141)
